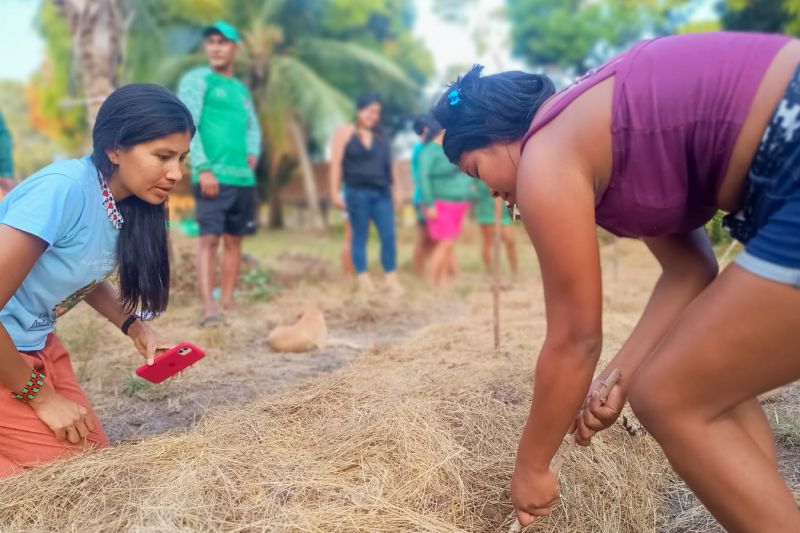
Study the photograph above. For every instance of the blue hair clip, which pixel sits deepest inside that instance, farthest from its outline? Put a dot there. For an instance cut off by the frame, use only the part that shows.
(454, 96)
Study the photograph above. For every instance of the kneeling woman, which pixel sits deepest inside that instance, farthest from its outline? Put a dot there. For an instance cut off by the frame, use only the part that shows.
(650, 146)
(64, 231)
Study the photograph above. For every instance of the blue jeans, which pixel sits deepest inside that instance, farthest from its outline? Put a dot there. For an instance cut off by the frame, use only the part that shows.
(363, 204)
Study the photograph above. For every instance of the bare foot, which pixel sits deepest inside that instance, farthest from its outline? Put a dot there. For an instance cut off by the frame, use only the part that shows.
(365, 283)
(395, 289)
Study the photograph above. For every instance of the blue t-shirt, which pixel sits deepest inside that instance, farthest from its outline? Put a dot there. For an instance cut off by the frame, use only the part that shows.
(62, 204)
(416, 197)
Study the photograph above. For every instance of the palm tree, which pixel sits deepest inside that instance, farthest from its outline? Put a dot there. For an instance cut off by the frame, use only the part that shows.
(286, 73)
(98, 29)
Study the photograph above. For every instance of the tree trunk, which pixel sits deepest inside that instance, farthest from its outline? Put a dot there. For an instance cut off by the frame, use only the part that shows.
(275, 205)
(98, 28)
(309, 184)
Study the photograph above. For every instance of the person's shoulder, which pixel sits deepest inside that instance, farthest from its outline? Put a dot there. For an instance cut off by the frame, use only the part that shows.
(63, 176)
(67, 182)
(344, 131)
(430, 148)
(242, 85)
(196, 74)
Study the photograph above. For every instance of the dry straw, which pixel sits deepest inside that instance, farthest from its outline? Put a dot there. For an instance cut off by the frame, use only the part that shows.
(416, 437)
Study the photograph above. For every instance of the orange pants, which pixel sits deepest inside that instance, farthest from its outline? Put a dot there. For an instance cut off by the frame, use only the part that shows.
(25, 441)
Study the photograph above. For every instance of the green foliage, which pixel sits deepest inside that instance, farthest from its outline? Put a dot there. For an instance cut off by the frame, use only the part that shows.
(134, 385)
(716, 232)
(700, 26)
(55, 83)
(773, 16)
(258, 283)
(32, 149)
(343, 15)
(575, 34)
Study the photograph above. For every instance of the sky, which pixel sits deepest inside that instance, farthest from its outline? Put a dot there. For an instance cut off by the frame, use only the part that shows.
(450, 44)
(453, 44)
(21, 45)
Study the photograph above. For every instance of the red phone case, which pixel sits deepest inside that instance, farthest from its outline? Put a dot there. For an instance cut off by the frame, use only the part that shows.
(171, 362)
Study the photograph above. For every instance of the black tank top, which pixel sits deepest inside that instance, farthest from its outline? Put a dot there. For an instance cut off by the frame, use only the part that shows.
(364, 167)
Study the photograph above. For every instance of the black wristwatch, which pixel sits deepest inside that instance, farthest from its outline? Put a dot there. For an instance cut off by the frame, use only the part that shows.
(129, 322)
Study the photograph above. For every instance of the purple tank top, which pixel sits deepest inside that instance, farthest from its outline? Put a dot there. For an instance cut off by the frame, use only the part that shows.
(678, 106)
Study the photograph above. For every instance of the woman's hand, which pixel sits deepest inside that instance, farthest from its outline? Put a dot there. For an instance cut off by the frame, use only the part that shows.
(147, 341)
(67, 419)
(338, 202)
(429, 212)
(533, 492)
(598, 414)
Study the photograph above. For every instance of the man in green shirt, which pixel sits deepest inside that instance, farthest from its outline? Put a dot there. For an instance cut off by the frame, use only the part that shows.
(6, 159)
(224, 152)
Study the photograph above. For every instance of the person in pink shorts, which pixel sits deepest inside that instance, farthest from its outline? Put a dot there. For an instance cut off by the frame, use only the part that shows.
(444, 194)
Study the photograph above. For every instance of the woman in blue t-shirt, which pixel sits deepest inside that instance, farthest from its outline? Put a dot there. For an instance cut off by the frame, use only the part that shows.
(64, 231)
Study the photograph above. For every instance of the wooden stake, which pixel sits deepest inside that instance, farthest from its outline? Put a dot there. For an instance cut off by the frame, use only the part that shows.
(568, 443)
(498, 217)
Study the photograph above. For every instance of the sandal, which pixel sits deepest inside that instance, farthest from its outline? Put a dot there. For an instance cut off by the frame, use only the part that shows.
(212, 321)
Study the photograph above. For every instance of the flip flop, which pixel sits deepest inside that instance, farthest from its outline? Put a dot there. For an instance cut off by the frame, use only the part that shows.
(212, 321)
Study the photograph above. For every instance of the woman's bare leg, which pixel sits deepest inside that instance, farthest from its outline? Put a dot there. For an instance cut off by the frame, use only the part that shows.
(751, 416)
(738, 339)
(435, 262)
(511, 249)
(347, 250)
(422, 249)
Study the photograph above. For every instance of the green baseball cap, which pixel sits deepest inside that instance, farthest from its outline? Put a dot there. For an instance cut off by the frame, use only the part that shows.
(224, 29)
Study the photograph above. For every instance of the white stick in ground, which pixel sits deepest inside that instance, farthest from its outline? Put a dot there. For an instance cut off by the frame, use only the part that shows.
(498, 216)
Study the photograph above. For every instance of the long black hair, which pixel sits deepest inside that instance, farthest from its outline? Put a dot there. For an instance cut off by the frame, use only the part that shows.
(365, 100)
(132, 115)
(477, 111)
(432, 127)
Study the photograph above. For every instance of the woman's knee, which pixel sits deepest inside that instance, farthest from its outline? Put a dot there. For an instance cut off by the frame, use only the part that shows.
(650, 400)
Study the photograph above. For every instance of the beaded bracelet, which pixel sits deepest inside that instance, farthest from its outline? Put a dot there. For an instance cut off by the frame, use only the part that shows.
(32, 387)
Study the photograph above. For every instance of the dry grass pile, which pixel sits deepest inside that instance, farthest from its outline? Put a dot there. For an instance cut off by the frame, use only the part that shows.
(417, 436)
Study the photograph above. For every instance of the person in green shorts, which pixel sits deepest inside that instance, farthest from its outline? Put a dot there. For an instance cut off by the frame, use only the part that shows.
(224, 154)
(6, 159)
(484, 214)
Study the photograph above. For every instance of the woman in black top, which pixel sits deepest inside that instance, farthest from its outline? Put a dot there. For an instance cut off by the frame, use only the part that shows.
(361, 157)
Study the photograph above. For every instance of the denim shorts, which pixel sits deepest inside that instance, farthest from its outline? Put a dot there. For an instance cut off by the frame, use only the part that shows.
(769, 221)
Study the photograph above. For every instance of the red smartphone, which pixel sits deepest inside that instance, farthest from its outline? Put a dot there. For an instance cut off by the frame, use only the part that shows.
(170, 362)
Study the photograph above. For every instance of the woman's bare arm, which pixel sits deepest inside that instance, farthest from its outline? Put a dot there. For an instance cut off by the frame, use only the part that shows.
(19, 253)
(564, 235)
(338, 144)
(688, 266)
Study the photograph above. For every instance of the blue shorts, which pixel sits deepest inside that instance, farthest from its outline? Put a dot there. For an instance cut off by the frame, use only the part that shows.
(769, 221)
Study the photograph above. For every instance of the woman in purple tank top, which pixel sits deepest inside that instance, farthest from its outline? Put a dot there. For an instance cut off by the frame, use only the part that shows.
(650, 146)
